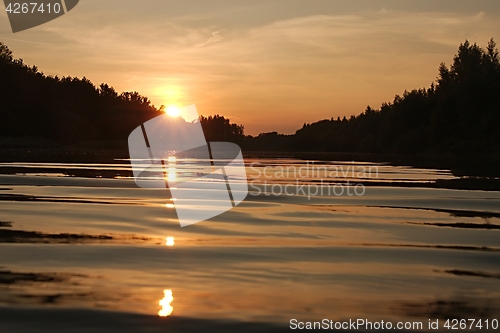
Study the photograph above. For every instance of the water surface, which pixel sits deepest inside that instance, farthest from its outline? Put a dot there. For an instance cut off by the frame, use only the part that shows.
(83, 241)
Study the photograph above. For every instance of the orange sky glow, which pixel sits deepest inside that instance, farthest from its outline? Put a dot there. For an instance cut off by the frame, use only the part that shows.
(270, 66)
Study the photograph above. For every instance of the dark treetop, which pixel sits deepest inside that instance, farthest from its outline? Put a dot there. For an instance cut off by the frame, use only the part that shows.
(458, 114)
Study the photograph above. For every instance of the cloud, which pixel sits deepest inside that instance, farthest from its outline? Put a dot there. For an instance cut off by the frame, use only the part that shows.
(216, 37)
(24, 41)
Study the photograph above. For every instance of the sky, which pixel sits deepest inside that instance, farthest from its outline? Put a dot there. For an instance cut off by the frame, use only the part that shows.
(268, 65)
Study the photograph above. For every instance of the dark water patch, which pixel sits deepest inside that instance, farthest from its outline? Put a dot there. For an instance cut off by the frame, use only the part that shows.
(75, 172)
(98, 321)
(452, 212)
(460, 272)
(481, 184)
(444, 247)
(9, 277)
(461, 225)
(53, 299)
(31, 198)
(454, 308)
(468, 213)
(47, 288)
(21, 236)
(470, 183)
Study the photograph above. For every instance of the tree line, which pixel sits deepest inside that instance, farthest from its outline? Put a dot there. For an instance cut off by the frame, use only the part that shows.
(65, 110)
(70, 110)
(459, 113)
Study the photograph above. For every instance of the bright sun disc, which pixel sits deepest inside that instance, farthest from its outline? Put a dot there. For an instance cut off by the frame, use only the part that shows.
(173, 111)
(170, 241)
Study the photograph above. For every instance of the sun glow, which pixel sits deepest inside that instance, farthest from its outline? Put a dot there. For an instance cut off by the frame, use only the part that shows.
(170, 241)
(172, 175)
(165, 303)
(173, 111)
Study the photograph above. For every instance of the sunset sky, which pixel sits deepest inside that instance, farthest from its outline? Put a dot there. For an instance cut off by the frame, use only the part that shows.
(269, 65)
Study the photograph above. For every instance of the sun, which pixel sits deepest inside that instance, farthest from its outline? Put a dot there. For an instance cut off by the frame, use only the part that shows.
(173, 111)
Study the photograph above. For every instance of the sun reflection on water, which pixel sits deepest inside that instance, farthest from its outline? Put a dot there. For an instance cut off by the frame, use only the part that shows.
(171, 172)
(171, 175)
(170, 241)
(166, 308)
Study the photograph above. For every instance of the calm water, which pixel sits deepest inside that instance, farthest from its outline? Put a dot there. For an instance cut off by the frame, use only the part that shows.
(83, 249)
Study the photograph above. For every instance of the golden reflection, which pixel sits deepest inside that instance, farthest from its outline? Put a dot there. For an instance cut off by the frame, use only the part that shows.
(171, 175)
(166, 308)
(170, 205)
(170, 241)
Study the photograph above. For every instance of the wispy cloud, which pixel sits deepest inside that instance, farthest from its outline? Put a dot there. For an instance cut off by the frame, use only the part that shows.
(23, 41)
(216, 37)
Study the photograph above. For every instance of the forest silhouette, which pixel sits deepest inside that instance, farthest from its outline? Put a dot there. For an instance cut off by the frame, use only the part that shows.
(458, 114)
